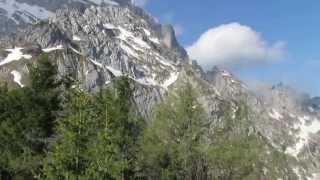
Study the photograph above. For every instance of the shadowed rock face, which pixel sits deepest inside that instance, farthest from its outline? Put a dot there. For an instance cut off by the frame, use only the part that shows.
(97, 44)
(169, 39)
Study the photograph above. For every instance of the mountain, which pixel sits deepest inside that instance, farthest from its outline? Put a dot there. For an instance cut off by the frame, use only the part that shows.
(16, 14)
(96, 44)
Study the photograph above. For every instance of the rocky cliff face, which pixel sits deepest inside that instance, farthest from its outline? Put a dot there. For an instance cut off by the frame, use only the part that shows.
(16, 14)
(99, 43)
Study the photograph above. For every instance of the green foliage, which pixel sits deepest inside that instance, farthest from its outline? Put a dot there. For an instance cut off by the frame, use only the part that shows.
(26, 121)
(178, 144)
(97, 137)
(116, 148)
(43, 74)
(101, 136)
(172, 144)
(241, 153)
(235, 152)
(234, 158)
(103, 165)
(69, 157)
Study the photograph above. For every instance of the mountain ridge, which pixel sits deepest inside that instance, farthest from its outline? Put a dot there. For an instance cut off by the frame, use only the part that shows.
(15, 14)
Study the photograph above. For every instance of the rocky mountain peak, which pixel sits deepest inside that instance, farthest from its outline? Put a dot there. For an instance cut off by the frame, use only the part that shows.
(16, 14)
(226, 83)
(118, 40)
(284, 98)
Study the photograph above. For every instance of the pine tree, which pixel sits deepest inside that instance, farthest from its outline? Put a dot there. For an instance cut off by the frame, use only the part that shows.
(46, 88)
(235, 158)
(126, 128)
(69, 157)
(104, 163)
(116, 147)
(43, 74)
(172, 144)
(97, 137)
(26, 118)
(235, 152)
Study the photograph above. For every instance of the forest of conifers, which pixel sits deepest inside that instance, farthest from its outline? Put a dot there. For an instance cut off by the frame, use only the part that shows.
(53, 130)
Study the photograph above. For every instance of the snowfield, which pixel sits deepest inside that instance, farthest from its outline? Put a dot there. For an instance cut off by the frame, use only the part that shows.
(15, 55)
(13, 6)
(115, 72)
(76, 38)
(274, 114)
(17, 77)
(306, 126)
(128, 50)
(47, 50)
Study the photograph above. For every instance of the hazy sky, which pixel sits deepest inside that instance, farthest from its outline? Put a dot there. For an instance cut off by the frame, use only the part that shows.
(269, 41)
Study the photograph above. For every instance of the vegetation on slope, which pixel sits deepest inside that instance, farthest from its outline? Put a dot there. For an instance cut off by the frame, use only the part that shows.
(51, 131)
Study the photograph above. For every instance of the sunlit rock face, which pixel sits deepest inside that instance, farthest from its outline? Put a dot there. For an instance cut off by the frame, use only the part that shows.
(16, 14)
(97, 44)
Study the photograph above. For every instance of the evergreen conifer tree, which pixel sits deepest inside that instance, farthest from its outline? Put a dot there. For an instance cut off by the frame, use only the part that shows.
(69, 158)
(172, 144)
(26, 120)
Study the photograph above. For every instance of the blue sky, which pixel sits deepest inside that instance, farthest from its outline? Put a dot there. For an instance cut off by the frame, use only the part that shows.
(296, 23)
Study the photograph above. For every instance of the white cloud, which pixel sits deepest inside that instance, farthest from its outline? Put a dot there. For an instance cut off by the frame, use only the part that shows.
(234, 44)
(140, 3)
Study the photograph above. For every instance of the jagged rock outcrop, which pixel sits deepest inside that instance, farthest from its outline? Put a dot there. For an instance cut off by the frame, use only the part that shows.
(123, 39)
(16, 14)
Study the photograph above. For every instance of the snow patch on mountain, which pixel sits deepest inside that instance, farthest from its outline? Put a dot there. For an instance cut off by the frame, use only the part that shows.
(15, 55)
(154, 40)
(58, 47)
(96, 63)
(147, 32)
(32, 12)
(306, 126)
(76, 38)
(114, 71)
(129, 36)
(274, 114)
(17, 77)
(128, 50)
(76, 51)
(150, 81)
(172, 79)
(147, 81)
(109, 26)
